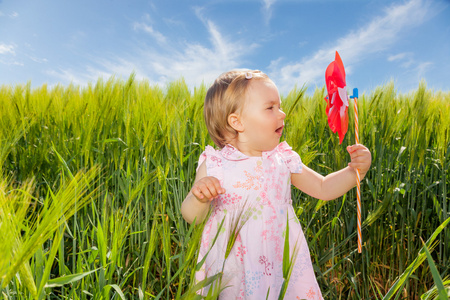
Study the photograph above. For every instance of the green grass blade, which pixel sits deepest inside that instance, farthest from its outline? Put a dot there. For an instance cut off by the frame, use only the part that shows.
(60, 281)
(416, 263)
(437, 278)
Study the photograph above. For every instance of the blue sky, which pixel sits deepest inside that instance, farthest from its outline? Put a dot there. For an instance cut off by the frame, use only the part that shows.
(292, 41)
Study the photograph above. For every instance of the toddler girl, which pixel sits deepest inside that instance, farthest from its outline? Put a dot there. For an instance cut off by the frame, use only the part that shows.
(248, 183)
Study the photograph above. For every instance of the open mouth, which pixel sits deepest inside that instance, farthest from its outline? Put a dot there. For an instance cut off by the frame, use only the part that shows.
(279, 130)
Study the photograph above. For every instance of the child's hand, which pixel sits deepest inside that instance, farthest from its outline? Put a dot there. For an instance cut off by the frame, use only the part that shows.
(361, 158)
(207, 188)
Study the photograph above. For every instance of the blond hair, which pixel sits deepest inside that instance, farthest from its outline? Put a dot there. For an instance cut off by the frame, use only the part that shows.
(224, 97)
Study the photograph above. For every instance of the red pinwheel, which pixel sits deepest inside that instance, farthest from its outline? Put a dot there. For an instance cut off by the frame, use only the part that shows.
(337, 107)
(337, 99)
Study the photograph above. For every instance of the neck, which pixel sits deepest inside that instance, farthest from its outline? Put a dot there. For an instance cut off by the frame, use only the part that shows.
(245, 148)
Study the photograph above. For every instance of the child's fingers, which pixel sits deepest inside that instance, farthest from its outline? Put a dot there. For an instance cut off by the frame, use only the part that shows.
(207, 188)
(357, 165)
(359, 156)
(356, 147)
(361, 159)
(201, 191)
(359, 152)
(213, 185)
(362, 163)
(208, 194)
(217, 186)
(203, 195)
(207, 191)
(197, 192)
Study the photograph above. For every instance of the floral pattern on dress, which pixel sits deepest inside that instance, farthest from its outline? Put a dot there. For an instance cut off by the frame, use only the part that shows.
(261, 188)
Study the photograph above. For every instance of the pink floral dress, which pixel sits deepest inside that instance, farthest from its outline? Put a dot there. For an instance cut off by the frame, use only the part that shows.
(258, 199)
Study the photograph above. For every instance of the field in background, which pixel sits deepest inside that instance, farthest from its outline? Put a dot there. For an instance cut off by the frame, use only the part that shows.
(91, 182)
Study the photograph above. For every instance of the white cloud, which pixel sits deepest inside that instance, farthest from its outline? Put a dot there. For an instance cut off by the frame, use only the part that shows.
(422, 68)
(37, 59)
(406, 59)
(194, 61)
(8, 53)
(160, 38)
(12, 15)
(11, 62)
(67, 76)
(267, 10)
(5, 49)
(117, 67)
(174, 22)
(376, 36)
(399, 56)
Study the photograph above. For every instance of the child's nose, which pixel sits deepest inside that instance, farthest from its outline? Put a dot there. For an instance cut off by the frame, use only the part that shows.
(282, 114)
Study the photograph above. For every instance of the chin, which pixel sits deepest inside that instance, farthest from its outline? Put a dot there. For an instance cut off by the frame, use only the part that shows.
(269, 147)
(267, 143)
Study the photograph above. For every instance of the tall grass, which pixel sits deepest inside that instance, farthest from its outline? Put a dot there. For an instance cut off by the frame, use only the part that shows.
(130, 241)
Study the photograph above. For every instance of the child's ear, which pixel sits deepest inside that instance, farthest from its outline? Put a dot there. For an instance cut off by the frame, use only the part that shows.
(234, 120)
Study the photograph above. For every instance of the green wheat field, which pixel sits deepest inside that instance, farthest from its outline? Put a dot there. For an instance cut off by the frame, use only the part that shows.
(92, 179)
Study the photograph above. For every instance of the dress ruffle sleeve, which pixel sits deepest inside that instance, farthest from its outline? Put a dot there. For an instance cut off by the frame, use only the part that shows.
(290, 158)
(213, 162)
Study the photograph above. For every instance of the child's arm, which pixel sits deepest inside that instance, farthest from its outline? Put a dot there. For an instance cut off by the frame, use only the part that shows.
(197, 202)
(335, 184)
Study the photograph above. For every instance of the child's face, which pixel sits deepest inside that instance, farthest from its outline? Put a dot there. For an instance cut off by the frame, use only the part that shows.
(262, 117)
